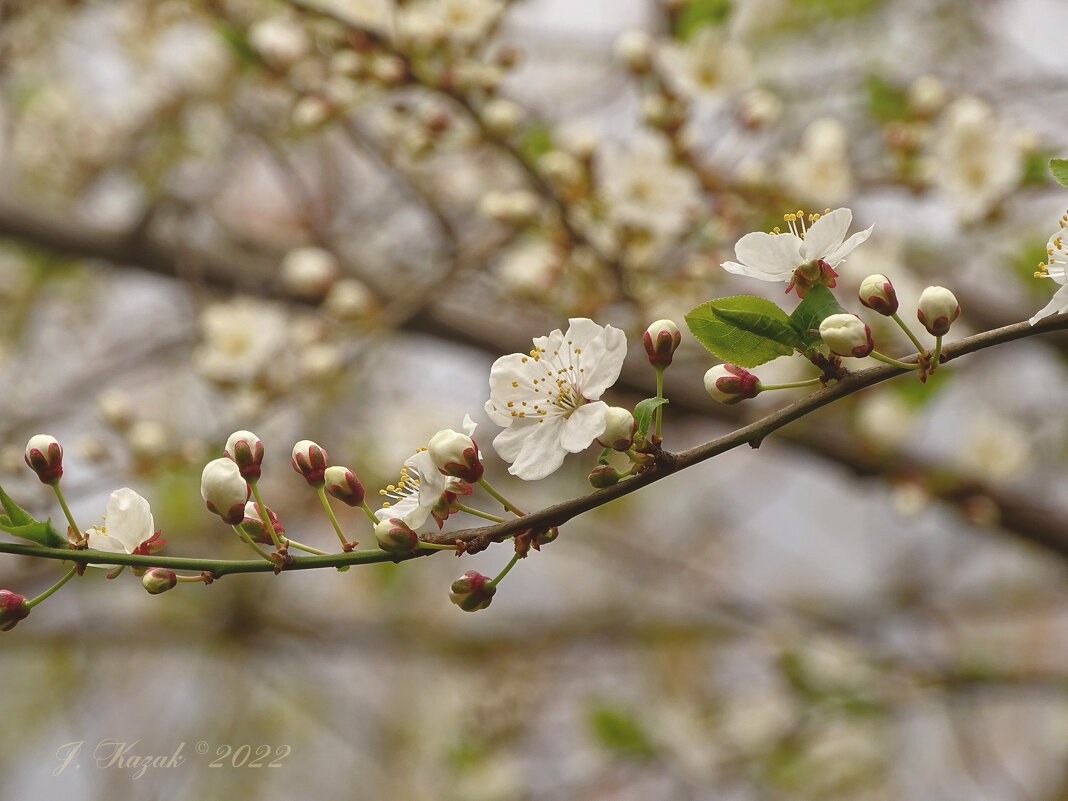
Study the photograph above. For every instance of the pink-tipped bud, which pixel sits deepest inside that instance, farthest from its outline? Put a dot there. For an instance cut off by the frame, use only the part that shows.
(603, 475)
(252, 524)
(847, 335)
(619, 429)
(878, 294)
(728, 383)
(224, 490)
(938, 308)
(456, 454)
(396, 537)
(246, 450)
(660, 340)
(472, 591)
(342, 483)
(44, 455)
(13, 608)
(310, 461)
(159, 579)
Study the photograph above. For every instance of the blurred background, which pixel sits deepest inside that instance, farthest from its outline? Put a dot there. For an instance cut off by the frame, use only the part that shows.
(325, 220)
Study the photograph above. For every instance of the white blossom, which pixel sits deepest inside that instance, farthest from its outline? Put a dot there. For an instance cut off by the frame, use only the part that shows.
(803, 257)
(240, 340)
(1054, 267)
(644, 189)
(709, 63)
(128, 528)
(548, 399)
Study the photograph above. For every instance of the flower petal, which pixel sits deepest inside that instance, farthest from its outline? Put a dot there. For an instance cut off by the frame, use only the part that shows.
(600, 361)
(129, 518)
(584, 426)
(1059, 303)
(837, 256)
(431, 480)
(826, 234)
(540, 452)
(769, 257)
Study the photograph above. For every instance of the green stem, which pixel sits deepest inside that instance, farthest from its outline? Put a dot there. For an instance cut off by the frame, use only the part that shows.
(321, 491)
(503, 573)
(190, 578)
(264, 517)
(70, 574)
(370, 514)
(433, 546)
(908, 331)
(887, 360)
(937, 353)
(795, 385)
(503, 501)
(659, 394)
(66, 509)
(479, 513)
(301, 546)
(252, 543)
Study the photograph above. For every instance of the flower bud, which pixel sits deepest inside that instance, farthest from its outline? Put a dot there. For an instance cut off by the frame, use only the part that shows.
(634, 48)
(246, 450)
(342, 483)
(455, 454)
(395, 536)
(224, 490)
(472, 591)
(159, 579)
(13, 608)
(603, 475)
(310, 461)
(44, 455)
(877, 293)
(660, 340)
(938, 308)
(728, 383)
(620, 426)
(847, 335)
(252, 524)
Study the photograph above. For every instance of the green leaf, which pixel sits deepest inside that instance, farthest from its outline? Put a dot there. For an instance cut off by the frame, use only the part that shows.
(1059, 168)
(886, 102)
(698, 13)
(21, 523)
(819, 304)
(744, 330)
(619, 730)
(643, 413)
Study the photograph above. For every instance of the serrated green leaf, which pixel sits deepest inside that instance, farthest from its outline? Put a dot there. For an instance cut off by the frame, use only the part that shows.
(744, 330)
(1059, 168)
(698, 13)
(40, 533)
(643, 413)
(21, 523)
(16, 515)
(819, 304)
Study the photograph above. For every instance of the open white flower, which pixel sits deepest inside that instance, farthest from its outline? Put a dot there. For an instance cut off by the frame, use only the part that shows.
(128, 526)
(548, 399)
(423, 490)
(803, 257)
(1054, 267)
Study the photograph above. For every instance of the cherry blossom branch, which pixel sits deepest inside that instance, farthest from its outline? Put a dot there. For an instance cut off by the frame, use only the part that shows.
(666, 464)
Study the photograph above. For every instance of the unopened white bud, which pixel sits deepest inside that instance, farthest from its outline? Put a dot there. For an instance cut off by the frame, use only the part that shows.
(619, 429)
(224, 490)
(309, 271)
(938, 308)
(348, 299)
(502, 117)
(634, 48)
(847, 335)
